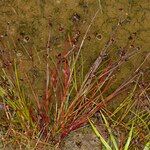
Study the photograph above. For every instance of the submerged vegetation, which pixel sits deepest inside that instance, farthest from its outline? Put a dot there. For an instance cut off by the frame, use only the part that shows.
(72, 91)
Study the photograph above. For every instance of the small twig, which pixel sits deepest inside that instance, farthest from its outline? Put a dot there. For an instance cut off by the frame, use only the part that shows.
(25, 50)
(100, 6)
(47, 66)
(34, 94)
(84, 37)
(144, 92)
(142, 62)
(37, 53)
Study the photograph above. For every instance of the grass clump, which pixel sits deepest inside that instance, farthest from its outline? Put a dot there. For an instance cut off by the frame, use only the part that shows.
(112, 138)
(126, 117)
(70, 96)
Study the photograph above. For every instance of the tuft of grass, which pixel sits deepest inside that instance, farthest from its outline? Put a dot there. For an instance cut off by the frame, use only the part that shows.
(128, 113)
(147, 146)
(69, 96)
(66, 104)
(104, 142)
(110, 132)
(129, 139)
(112, 137)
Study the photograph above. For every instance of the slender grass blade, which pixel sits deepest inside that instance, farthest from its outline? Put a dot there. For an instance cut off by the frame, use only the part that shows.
(99, 136)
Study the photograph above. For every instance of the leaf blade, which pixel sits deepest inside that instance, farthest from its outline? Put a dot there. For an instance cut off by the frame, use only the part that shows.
(110, 132)
(129, 139)
(99, 136)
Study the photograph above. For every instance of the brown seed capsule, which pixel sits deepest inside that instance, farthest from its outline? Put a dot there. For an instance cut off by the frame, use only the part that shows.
(61, 29)
(138, 48)
(134, 33)
(27, 38)
(130, 38)
(50, 24)
(79, 144)
(121, 9)
(76, 17)
(131, 46)
(59, 55)
(89, 38)
(112, 40)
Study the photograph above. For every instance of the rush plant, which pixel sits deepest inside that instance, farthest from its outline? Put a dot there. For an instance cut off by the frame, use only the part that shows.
(130, 115)
(70, 95)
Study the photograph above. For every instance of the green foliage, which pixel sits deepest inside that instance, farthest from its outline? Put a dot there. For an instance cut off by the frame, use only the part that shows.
(112, 137)
(147, 146)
